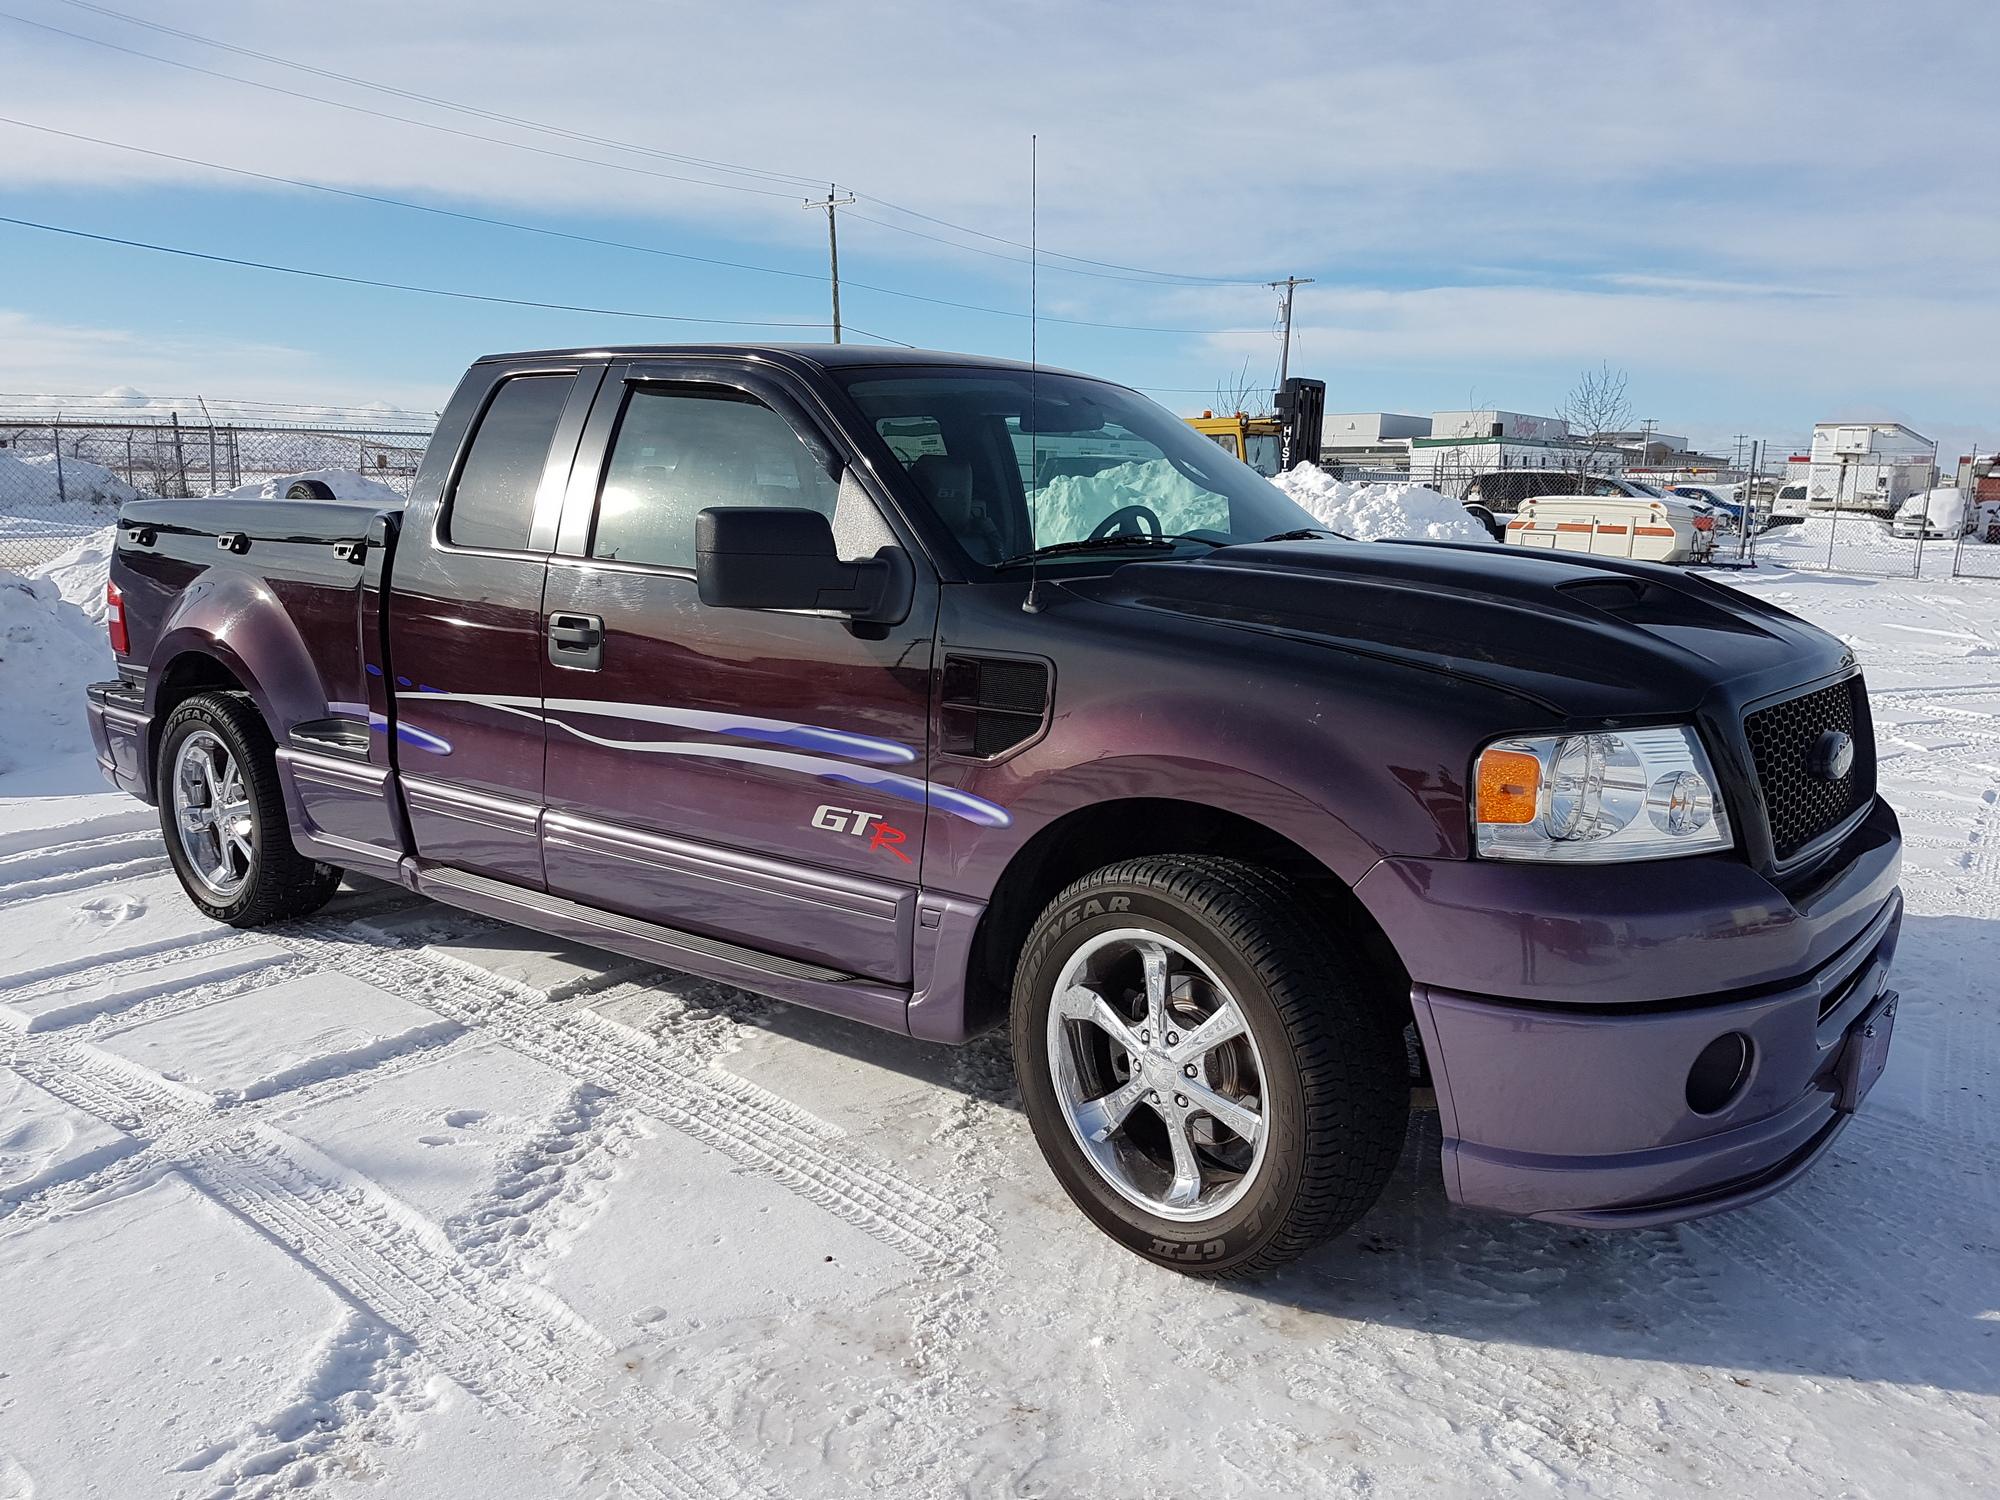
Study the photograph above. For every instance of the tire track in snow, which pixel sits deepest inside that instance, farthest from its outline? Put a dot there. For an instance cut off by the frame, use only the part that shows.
(516, 1348)
(361, 1389)
(511, 1345)
(751, 1125)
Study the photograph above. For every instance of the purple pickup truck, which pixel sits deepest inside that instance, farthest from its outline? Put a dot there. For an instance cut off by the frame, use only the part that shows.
(944, 693)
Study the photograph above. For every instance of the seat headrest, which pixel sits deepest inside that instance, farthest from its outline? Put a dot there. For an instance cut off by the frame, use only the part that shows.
(946, 482)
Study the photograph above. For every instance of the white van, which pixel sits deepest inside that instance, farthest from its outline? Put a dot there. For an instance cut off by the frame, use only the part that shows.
(1791, 500)
(1650, 528)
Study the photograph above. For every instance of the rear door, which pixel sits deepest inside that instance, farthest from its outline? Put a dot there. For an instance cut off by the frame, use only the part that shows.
(754, 776)
(466, 639)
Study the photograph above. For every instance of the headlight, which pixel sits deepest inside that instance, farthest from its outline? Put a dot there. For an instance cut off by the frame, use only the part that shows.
(1636, 794)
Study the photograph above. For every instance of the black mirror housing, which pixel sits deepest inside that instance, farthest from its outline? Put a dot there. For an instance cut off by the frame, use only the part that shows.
(783, 557)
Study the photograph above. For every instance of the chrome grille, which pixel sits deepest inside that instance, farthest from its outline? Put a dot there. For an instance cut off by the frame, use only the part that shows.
(1803, 803)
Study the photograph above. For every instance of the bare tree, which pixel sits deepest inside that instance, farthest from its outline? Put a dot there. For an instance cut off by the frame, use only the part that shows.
(1239, 393)
(1596, 409)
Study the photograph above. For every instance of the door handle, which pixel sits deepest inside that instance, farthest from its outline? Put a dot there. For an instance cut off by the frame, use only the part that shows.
(576, 641)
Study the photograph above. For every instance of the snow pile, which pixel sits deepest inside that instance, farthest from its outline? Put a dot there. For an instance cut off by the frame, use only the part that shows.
(1070, 506)
(1369, 512)
(346, 484)
(35, 484)
(80, 573)
(49, 650)
(1944, 509)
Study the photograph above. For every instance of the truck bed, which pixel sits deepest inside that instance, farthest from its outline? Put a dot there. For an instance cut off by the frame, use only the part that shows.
(320, 522)
(282, 596)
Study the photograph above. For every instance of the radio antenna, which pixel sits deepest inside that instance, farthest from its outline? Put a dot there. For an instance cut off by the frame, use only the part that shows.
(1033, 604)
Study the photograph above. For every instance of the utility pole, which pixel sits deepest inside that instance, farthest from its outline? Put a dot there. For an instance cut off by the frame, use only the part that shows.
(213, 486)
(1646, 442)
(830, 203)
(1291, 284)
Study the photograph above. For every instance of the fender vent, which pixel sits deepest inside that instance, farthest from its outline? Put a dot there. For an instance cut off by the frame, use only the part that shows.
(992, 704)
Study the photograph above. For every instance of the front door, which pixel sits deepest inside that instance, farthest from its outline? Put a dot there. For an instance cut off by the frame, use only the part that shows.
(465, 626)
(749, 775)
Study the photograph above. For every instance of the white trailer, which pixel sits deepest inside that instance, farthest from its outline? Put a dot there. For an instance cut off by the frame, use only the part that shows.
(1868, 466)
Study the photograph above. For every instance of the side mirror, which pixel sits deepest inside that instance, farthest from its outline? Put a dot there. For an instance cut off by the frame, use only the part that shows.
(781, 557)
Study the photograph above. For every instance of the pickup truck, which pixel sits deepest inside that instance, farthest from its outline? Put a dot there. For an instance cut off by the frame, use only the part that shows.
(945, 693)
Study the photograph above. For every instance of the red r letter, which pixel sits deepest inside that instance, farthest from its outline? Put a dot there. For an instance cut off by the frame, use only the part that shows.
(885, 837)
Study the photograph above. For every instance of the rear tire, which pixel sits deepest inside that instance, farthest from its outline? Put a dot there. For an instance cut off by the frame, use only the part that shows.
(1309, 1081)
(223, 815)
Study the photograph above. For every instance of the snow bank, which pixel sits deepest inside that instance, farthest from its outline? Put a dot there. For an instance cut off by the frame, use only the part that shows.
(1368, 512)
(80, 573)
(33, 484)
(346, 484)
(49, 650)
(1071, 505)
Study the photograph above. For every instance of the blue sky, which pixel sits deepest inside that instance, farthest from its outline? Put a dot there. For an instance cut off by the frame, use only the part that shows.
(1766, 215)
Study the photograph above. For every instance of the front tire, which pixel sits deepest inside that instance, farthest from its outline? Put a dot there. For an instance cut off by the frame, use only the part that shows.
(223, 815)
(1211, 1074)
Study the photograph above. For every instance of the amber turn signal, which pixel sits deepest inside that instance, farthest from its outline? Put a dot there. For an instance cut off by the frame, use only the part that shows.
(1509, 781)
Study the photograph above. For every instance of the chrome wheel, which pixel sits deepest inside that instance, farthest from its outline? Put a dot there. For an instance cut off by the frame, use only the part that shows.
(213, 815)
(1157, 1074)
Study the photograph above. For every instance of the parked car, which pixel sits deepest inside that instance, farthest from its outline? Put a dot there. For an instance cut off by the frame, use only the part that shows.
(1935, 515)
(1651, 528)
(1790, 503)
(1722, 500)
(1502, 491)
(783, 667)
(1495, 527)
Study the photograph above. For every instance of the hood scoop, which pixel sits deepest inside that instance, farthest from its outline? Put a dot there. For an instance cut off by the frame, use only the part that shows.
(1621, 637)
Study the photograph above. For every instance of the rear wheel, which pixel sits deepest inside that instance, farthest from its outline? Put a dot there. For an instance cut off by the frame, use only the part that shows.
(1209, 1073)
(223, 816)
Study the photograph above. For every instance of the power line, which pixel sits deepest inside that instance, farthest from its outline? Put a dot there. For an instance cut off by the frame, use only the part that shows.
(498, 117)
(380, 114)
(585, 239)
(399, 286)
(1141, 273)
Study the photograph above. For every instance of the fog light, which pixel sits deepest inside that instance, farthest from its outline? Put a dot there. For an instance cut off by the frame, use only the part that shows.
(1718, 1074)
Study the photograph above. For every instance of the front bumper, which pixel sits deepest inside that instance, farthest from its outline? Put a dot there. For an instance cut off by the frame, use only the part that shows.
(1562, 1083)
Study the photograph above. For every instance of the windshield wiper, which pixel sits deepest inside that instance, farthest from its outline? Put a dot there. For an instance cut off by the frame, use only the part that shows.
(1309, 534)
(1105, 543)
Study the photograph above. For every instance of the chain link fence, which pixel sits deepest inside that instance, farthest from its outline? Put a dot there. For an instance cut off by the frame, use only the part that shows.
(61, 481)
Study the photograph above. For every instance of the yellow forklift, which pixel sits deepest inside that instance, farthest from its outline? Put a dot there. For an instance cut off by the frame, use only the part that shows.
(1270, 445)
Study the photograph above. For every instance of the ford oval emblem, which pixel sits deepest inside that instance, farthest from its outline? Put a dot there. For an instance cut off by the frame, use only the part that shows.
(1832, 755)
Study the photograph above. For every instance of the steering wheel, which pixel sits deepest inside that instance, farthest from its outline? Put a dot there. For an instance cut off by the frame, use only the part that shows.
(1128, 520)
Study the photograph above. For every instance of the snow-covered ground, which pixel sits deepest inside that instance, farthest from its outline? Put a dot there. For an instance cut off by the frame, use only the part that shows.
(400, 1202)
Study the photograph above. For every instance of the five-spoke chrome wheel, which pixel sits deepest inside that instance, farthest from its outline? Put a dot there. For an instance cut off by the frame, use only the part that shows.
(213, 815)
(1157, 1074)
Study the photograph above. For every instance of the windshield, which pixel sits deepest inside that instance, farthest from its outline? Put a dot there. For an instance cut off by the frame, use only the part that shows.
(1009, 473)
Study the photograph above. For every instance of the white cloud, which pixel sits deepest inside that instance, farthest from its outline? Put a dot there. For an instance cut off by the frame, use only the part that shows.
(1792, 187)
(119, 368)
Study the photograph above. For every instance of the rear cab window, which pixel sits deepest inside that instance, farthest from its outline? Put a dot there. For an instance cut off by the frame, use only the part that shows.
(492, 501)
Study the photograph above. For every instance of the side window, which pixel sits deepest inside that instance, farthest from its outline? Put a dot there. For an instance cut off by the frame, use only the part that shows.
(677, 454)
(493, 502)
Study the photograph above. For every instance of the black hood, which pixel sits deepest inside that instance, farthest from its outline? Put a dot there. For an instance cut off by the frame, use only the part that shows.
(1583, 636)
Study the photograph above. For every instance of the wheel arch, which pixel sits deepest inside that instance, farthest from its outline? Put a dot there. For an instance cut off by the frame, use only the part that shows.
(1104, 833)
(187, 672)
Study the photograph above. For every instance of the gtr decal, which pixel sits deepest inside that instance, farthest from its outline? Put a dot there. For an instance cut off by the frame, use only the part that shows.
(777, 745)
(852, 820)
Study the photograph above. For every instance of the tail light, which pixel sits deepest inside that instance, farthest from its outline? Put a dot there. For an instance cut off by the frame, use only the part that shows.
(114, 618)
